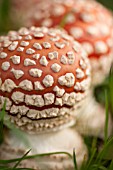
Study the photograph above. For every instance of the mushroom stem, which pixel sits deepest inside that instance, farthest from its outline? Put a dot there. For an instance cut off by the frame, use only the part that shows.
(62, 141)
(91, 120)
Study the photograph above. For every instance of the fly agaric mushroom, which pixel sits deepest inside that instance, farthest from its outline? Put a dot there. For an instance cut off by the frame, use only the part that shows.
(92, 26)
(25, 13)
(43, 74)
(40, 71)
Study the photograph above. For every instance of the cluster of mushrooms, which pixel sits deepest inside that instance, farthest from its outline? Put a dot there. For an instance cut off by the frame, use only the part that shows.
(47, 77)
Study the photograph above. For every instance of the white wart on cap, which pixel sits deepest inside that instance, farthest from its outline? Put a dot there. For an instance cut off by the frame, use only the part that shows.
(44, 80)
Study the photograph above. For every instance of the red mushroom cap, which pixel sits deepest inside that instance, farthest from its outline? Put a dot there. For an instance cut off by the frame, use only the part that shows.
(88, 22)
(43, 74)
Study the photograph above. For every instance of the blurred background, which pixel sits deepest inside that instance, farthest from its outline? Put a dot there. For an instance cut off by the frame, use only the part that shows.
(6, 22)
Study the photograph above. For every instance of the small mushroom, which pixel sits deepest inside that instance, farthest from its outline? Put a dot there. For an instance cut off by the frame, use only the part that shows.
(42, 79)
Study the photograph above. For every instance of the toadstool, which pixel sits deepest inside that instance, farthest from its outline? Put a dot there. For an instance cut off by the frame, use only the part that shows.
(44, 78)
(91, 25)
(40, 73)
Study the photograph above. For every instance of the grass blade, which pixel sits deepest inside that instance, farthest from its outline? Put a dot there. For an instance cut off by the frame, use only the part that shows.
(111, 89)
(35, 156)
(74, 160)
(2, 115)
(90, 162)
(20, 160)
(107, 117)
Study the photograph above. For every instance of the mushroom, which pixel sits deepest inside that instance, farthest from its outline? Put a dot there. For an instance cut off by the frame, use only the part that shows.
(86, 24)
(92, 26)
(40, 70)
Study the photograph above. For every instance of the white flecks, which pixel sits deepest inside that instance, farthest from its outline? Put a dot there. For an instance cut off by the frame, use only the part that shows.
(34, 100)
(26, 85)
(46, 45)
(64, 59)
(66, 36)
(20, 49)
(79, 73)
(58, 101)
(76, 32)
(18, 97)
(29, 62)
(67, 80)
(36, 56)
(69, 99)
(38, 34)
(57, 38)
(30, 51)
(93, 31)
(23, 31)
(71, 57)
(77, 86)
(60, 45)
(13, 46)
(43, 61)
(6, 43)
(70, 18)
(52, 112)
(17, 73)
(85, 84)
(87, 17)
(15, 37)
(24, 43)
(14, 109)
(60, 10)
(49, 98)
(48, 81)
(56, 67)
(59, 91)
(52, 33)
(32, 113)
(28, 37)
(53, 55)
(88, 47)
(83, 64)
(8, 102)
(15, 59)
(38, 86)
(5, 66)
(8, 85)
(88, 72)
(34, 72)
(37, 46)
(47, 22)
(79, 97)
(76, 47)
(3, 55)
(22, 110)
(101, 47)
